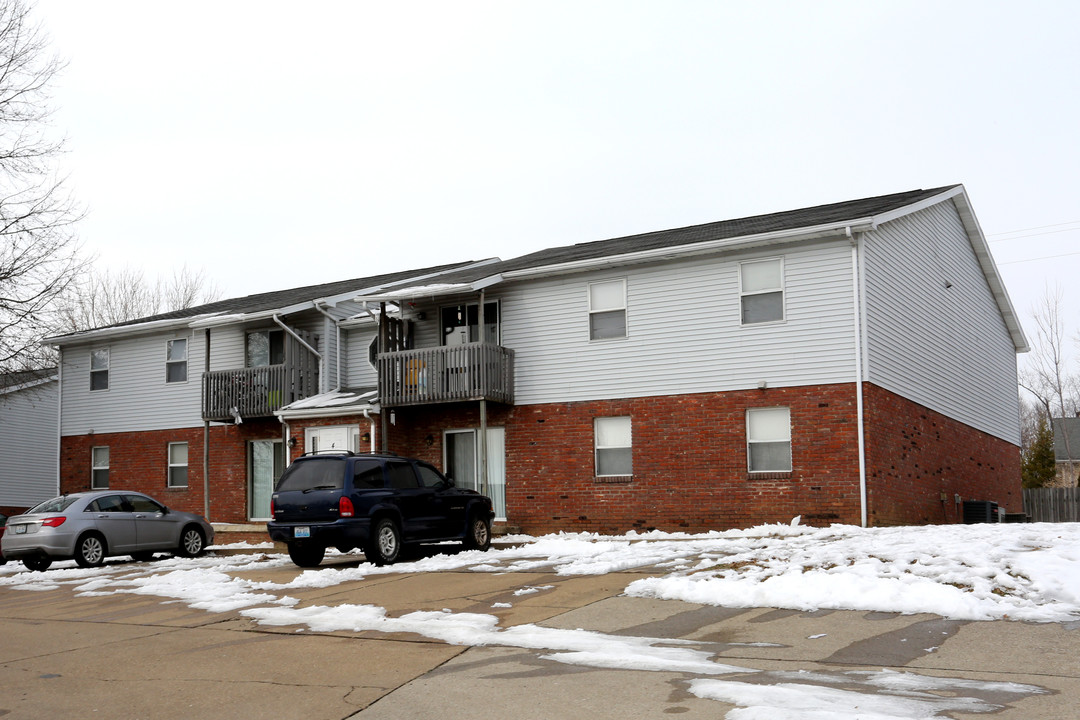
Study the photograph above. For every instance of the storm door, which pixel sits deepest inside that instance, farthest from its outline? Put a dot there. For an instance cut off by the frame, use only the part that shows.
(463, 459)
(266, 460)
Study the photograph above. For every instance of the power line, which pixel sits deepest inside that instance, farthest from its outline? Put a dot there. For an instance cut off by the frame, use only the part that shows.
(1035, 234)
(1048, 257)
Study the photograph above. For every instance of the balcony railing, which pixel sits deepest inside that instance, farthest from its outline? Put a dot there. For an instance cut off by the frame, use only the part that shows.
(475, 371)
(252, 392)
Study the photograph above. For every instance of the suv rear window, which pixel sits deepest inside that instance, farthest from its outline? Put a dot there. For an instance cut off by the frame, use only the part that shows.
(321, 473)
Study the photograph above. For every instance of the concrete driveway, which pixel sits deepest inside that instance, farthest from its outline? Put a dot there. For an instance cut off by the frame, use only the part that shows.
(133, 656)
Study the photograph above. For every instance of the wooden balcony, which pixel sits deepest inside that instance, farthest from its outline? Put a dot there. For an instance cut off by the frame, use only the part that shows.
(474, 371)
(253, 392)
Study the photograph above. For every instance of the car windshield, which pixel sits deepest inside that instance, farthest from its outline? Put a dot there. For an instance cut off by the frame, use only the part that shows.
(317, 473)
(55, 505)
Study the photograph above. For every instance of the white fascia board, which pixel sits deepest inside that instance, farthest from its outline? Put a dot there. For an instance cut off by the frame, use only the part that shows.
(743, 242)
(30, 384)
(122, 330)
(397, 290)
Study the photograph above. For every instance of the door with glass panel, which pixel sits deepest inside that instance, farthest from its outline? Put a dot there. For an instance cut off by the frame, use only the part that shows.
(462, 463)
(266, 460)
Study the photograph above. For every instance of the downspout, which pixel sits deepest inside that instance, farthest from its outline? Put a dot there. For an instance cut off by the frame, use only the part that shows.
(286, 328)
(482, 445)
(59, 413)
(337, 344)
(856, 276)
(206, 437)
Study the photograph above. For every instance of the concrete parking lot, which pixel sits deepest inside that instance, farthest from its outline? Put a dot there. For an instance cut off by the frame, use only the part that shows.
(113, 655)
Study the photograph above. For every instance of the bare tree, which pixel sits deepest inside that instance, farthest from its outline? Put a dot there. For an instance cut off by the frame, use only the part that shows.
(106, 298)
(39, 255)
(1046, 374)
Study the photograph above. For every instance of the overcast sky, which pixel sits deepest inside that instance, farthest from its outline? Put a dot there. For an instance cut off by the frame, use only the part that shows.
(274, 145)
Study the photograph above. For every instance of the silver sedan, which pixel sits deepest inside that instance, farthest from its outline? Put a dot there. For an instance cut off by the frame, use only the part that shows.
(88, 527)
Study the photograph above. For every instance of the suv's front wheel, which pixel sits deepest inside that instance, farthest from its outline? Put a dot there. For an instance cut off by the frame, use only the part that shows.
(306, 555)
(384, 546)
(478, 533)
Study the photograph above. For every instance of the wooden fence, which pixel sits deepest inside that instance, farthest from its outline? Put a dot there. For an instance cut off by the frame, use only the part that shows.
(1052, 504)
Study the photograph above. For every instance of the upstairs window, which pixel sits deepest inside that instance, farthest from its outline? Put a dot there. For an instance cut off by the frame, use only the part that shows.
(461, 323)
(265, 347)
(768, 439)
(176, 361)
(99, 468)
(99, 369)
(614, 447)
(761, 290)
(178, 464)
(607, 310)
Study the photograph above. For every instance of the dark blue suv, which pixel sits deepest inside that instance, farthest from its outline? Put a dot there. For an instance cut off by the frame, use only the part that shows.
(376, 502)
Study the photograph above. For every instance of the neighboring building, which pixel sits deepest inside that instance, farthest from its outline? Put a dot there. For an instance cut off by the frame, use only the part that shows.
(853, 362)
(1066, 451)
(28, 439)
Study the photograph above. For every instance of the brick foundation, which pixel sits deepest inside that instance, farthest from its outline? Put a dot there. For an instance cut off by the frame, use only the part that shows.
(914, 455)
(689, 461)
(139, 461)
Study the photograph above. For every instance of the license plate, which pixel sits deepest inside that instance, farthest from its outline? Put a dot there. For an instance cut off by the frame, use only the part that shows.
(302, 532)
(20, 529)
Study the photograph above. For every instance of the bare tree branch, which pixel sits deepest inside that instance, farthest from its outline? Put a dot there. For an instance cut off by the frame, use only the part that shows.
(39, 250)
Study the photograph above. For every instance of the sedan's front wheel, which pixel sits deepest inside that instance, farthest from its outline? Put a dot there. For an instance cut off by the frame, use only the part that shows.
(90, 550)
(37, 564)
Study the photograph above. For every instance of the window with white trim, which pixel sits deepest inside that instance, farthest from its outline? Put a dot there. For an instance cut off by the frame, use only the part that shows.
(614, 446)
(99, 369)
(761, 291)
(176, 361)
(607, 310)
(768, 439)
(99, 468)
(178, 464)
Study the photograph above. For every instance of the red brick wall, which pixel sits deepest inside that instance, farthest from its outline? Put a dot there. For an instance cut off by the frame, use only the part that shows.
(139, 461)
(689, 459)
(915, 454)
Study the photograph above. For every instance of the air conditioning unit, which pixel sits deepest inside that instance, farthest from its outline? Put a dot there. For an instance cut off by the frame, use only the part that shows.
(980, 511)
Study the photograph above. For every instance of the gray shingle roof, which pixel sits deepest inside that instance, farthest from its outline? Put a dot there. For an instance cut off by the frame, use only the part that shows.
(741, 227)
(1066, 426)
(470, 271)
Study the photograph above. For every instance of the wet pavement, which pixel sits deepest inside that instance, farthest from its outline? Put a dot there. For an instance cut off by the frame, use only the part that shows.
(137, 656)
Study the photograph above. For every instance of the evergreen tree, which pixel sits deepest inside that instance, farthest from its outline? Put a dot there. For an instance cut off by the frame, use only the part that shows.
(1037, 466)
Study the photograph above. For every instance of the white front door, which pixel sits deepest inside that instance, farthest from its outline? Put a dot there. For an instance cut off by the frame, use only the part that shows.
(463, 458)
(318, 439)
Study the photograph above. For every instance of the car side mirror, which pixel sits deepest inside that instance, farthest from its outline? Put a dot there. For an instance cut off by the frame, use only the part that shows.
(450, 481)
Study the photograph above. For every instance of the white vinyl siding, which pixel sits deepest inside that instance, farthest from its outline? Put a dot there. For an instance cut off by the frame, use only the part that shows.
(934, 332)
(687, 331)
(28, 460)
(138, 397)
